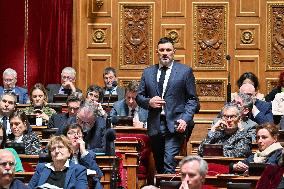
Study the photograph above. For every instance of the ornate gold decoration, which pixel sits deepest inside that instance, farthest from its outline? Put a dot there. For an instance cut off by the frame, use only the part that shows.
(210, 90)
(174, 35)
(99, 3)
(135, 36)
(247, 37)
(271, 83)
(275, 36)
(99, 36)
(210, 36)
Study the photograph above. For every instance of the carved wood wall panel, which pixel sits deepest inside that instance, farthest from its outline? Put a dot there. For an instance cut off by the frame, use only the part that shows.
(181, 58)
(173, 8)
(247, 8)
(245, 63)
(210, 36)
(136, 27)
(99, 8)
(247, 36)
(176, 32)
(123, 81)
(99, 35)
(211, 89)
(275, 35)
(270, 84)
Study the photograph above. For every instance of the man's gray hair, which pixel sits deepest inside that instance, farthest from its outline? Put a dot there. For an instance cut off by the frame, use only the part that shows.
(10, 71)
(203, 166)
(230, 105)
(12, 94)
(89, 108)
(69, 70)
(247, 100)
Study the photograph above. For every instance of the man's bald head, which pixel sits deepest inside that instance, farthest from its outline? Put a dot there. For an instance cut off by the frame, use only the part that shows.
(7, 167)
(248, 89)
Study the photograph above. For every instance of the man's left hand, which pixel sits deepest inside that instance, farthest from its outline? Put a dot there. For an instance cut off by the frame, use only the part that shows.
(181, 127)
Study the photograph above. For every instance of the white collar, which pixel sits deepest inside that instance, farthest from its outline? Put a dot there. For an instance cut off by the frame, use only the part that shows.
(51, 166)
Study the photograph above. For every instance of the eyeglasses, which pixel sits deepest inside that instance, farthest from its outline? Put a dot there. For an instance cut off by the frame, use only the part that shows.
(4, 164)
(83, 122)
(227, 117)
(72, 133)
(8, 80)
(73, 108)
(67, 78)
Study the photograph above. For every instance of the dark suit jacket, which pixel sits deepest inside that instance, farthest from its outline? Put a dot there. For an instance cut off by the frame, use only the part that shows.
(60, 121)
(95, 138)
(76, 176)
(22, 92)
(17, 184)
(54, 89)
(120, 92)
(265, 112)
(120, 108)
(180, 96)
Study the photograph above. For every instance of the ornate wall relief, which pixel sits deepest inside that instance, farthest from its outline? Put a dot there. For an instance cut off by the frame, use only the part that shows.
(136, 46)
(123, 81)
(210, 36)
(270, 84)
(211, 89)
(275, 60)
(99, 8)
(99, 35)
(176, 32)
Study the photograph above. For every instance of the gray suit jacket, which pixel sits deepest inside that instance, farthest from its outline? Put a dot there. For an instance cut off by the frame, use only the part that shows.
(120, 108)
(180, 97)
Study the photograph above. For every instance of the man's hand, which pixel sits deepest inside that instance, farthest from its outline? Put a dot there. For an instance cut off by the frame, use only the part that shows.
(219, 125)
(184, 185)
(137, 123)
(181, 126)
(240, 166)
(81, 144)
(157, 102)
(69, 85)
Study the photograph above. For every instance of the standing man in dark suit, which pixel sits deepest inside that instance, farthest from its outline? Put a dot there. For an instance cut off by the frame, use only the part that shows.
(111, 86)
(128, 106)
(168, 91)
(9, 85)
(67, 86)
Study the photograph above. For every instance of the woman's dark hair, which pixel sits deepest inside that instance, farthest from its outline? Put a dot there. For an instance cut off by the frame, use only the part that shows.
(270, 127)
(23, 117)
(3, 143)
(98, 89)
(72, 126)
(281, 80)
(251, 76)
(40, 87)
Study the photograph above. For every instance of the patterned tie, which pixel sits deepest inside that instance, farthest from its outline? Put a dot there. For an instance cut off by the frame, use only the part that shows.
(4, 122)
(161, 79)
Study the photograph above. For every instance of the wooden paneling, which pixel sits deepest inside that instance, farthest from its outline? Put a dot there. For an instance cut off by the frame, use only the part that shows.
(176, 32)
(248, 63)
(100, 8)
(173, 8)
(247, 8)
(99, 36)
(247, 36)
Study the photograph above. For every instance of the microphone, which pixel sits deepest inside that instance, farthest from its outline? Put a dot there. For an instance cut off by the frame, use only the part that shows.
(228, 58)
(114, 84)
(110, 137)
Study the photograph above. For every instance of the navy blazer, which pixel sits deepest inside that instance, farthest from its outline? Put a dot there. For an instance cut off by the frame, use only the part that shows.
(17, 184)
(22, 92)
(76, 176)
(180, 97)
(120, 91)
(54, 89)
(265, 112)
(120, 108)
(60, 121)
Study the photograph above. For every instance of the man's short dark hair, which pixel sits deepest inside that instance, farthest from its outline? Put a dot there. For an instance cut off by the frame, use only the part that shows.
(132, 86)
(12, 94)
(107, 70)
(164, 40)
(75, 97)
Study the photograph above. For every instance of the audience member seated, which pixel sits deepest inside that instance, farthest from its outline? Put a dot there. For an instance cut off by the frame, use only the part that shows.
(261, 111)
(67, 86)
(3, 139)
(61, 120)
(236, 142)
(269, 150)
(193, 170)
(278, 89)
(129, 107)
(7, 106)
(81, 155)
(38, 106)
(9, 85)
(249, 78)
(111, 87)
(22, 134)
(61, 172)
(95, 95)
(7, 171)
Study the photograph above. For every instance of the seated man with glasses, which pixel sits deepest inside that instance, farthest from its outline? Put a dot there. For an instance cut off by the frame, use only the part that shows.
(193, 170)
(9, 85)
(7, 171)
(67, 86)
(61, 120)
(226, 131)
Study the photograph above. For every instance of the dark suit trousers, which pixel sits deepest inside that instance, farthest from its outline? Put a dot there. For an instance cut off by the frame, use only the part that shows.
(165, 147)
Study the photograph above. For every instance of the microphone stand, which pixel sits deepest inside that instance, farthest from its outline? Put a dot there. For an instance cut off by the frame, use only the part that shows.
(229, 88)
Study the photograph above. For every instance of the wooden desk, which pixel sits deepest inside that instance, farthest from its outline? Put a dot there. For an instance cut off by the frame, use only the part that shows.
(216, 181)
(129, 130)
